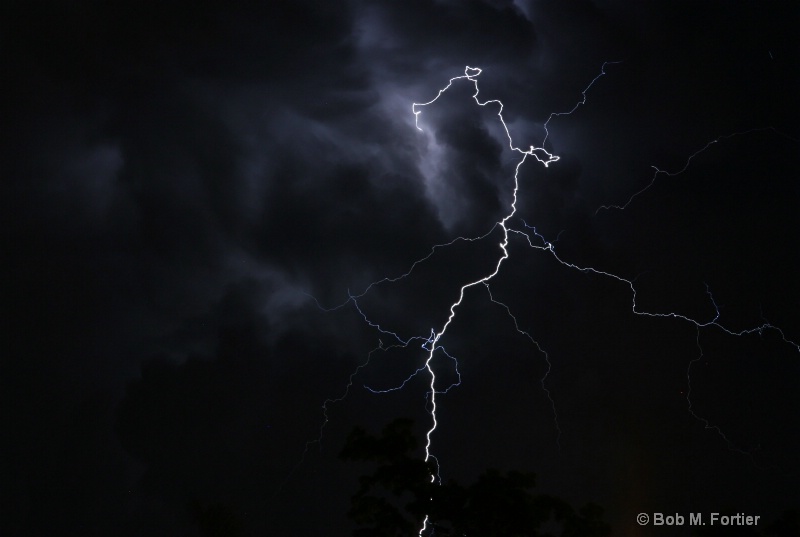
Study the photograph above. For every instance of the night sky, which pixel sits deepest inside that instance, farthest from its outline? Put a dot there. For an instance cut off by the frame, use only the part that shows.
(187, 192)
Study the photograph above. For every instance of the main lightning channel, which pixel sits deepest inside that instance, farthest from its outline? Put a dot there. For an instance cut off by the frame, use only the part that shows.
(544, 157)
(540, 154)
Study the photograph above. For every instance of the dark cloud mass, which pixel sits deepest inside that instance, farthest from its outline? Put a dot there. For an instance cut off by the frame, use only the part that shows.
(183, 186)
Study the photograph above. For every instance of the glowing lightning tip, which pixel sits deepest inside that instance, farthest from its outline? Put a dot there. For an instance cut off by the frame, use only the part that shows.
(472, 71)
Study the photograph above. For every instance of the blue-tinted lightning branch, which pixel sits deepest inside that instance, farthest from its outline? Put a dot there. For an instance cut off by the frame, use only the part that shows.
(698, 324)
(541, 350)
(659, 172)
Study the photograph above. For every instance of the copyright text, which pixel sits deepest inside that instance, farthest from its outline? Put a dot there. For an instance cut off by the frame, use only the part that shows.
(697, 519)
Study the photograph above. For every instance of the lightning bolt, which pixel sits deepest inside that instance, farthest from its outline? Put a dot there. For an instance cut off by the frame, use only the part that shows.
(657, 172)
(534, 240)
(699, 325)
(431, 343)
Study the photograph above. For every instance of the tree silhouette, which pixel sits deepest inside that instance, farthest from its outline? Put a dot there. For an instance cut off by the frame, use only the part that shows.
(395, 499)
(215, 519)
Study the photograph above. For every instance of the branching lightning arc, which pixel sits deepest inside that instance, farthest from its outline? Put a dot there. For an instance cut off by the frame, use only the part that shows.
(431, 343)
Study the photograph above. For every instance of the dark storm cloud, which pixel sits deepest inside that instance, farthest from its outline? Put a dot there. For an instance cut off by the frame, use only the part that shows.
(423, 34)
(176, 180)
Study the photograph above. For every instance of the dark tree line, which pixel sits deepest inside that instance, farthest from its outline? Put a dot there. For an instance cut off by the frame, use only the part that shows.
(394, 500)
